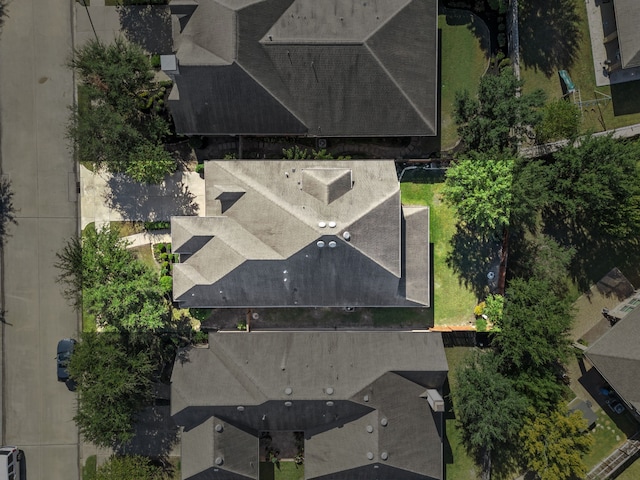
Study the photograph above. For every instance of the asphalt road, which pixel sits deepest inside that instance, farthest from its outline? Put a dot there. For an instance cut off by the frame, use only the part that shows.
(35, 91)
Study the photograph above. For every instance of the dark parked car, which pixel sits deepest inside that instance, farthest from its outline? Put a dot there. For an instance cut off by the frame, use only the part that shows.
(65, 350)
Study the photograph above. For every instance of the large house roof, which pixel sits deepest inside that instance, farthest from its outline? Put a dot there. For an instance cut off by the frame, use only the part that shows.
(302, 233)
(330, 68)
(359, 398)
(617, 357)
(627, 21)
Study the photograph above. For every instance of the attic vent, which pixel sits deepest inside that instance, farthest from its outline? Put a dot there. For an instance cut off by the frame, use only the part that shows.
(287, 404)
(370, 455)
(219, 461)
(346, 235)
(329, 391)
(332, 224)
(329, 403)
(384, 455)
(288, 391)
(332, 244)
(366, 398)
(322, 224)
(370, 428)
(384, 422)
(219, 427)
(320, 244)
(240, 408)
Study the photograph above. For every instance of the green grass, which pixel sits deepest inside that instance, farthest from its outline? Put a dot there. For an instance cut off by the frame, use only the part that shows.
(631, 473)
(625, 108)
(459, 465)
(89, 468)
(453, 303)
(287, 471)
(145, 255)
(608, 435)
(464, 60)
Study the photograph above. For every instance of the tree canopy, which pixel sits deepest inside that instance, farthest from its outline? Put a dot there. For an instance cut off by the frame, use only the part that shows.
(595, 188)
(533, 341)
(478, 187)
(103, 277)
(554, 444)
(498, 118)
(113, 383)
(114, 126)
(489, 410)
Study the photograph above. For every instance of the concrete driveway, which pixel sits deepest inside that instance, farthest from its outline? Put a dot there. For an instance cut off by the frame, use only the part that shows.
(37, 411)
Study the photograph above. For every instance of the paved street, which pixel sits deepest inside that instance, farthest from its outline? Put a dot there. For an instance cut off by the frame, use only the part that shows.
(37, 411)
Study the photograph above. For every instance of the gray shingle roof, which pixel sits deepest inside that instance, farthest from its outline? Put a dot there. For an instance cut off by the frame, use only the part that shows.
(617, 357)
(330, 68)
(373, 382)
(627, 21)
(259, 244)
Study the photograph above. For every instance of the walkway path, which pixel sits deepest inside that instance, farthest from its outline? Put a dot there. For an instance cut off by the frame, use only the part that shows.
(542, 150)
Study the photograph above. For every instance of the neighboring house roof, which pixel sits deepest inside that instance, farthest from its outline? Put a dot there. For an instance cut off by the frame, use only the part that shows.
(302, 233)
(357, 396)
(627, 21)
(616, 354)
(304, 67)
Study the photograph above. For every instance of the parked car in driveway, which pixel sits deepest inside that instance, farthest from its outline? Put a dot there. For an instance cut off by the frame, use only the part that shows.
(65, 350)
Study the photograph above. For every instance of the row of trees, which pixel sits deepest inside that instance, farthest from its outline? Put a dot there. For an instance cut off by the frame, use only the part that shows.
(115, 367)
(509, 399)
(120, 123)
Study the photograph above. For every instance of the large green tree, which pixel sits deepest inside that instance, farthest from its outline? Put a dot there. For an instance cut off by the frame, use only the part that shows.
(103, 277)
(554, 444)
(532, 342)
(114, 382)
(488, 409)
(499, 117)
(560, 119)
(594, 188)
(478, 187)
(114, 125)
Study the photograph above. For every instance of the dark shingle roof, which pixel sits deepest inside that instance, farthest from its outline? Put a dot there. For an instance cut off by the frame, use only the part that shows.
(627, 21)
(259, 244)
(617, 357)
(330, 68)
(353, 394)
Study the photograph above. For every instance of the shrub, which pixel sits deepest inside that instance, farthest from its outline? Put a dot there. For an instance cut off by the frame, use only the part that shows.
(159, 248)
(200, 337)
(502, 40)
(200, 168)
(166, 283)
(481, 325)
(479, 309)
(155, 61)
(158, 225)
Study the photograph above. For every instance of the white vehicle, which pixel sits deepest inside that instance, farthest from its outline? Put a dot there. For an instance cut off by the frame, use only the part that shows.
(10, 458)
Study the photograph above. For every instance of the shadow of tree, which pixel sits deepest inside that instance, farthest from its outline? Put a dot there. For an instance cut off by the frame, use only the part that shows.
(549, 34)
(144, 202)
(156, 434)
(595, 255)
(472, 22)
(3, 12)
(472, 258)
(148, 26)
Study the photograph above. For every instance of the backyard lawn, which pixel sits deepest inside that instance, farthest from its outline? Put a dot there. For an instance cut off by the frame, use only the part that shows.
(453, 303)
(554, 35)
(464, 55)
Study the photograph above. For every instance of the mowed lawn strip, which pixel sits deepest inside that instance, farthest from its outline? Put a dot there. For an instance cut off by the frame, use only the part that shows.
(464, 60)
(453, 303)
